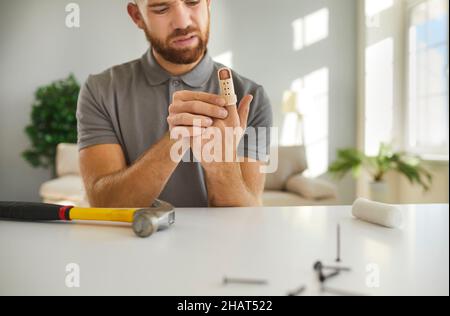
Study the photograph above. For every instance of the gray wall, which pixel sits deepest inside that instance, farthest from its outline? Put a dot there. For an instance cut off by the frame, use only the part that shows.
(36, 48)
(262, 50)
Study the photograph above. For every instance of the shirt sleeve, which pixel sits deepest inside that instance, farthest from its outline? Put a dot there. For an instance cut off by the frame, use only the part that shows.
(256, 142)
(93, 122)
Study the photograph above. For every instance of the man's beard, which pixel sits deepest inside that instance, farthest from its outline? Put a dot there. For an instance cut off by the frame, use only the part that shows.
(183, 56)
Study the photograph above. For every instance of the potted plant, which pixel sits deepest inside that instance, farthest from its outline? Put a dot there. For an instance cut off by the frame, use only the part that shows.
(354, 161)
(53, 121)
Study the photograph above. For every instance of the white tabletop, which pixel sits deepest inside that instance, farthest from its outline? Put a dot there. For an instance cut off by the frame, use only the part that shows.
(277, 244)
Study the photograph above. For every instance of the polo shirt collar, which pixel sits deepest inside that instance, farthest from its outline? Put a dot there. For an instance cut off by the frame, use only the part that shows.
(196, 78)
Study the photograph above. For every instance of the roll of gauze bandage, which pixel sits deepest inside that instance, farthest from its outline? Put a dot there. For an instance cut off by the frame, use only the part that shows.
(377, 213)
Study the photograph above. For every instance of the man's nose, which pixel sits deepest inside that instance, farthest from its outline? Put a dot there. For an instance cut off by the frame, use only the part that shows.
(181, 16)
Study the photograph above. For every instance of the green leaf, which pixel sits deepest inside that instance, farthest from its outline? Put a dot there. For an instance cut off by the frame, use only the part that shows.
(354, 161)
(348, 160)
(53, 121)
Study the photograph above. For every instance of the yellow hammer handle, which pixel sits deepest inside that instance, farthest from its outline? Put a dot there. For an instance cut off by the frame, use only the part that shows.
(102, 214)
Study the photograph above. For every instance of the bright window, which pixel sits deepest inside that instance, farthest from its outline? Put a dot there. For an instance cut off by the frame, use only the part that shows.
(427, 96)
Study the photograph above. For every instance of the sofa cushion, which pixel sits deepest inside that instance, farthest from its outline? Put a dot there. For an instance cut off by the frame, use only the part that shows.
(66, 188)
(314, 189)
(291, 160)
(67, 160)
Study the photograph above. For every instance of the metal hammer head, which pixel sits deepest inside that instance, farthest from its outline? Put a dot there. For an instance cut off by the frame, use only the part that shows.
(149, 220)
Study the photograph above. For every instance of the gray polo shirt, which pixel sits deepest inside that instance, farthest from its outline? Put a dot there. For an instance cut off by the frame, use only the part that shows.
(128, 105)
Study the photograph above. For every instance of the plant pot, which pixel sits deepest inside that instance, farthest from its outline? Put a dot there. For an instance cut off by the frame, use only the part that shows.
(379, 191)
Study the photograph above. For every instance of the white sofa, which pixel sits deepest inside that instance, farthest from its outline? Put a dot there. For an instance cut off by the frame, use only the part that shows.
(286, 187)
(67, 188)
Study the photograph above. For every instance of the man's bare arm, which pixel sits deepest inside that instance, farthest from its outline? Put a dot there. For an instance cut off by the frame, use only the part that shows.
(109, 183)
(235, 184)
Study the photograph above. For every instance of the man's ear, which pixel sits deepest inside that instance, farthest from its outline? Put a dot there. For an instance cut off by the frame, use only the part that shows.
(135, 14)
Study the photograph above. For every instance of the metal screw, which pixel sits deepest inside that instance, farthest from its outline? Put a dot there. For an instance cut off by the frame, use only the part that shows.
(297, 291)
(227, 280)
(319, 267)
(338, 240)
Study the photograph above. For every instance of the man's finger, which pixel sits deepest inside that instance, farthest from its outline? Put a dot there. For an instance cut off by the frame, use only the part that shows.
(203, 108)
(244, 109)
(186, 131)
(187, 119)
(187, 95)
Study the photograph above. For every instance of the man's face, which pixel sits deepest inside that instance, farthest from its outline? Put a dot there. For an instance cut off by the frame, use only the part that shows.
(178, 30)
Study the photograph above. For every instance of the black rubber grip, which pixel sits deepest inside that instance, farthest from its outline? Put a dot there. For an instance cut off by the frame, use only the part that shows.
(29, 211)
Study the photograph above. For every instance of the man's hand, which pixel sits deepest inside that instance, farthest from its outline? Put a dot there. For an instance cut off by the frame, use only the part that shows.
(230, 181)
(217, 136)
(189, 107)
